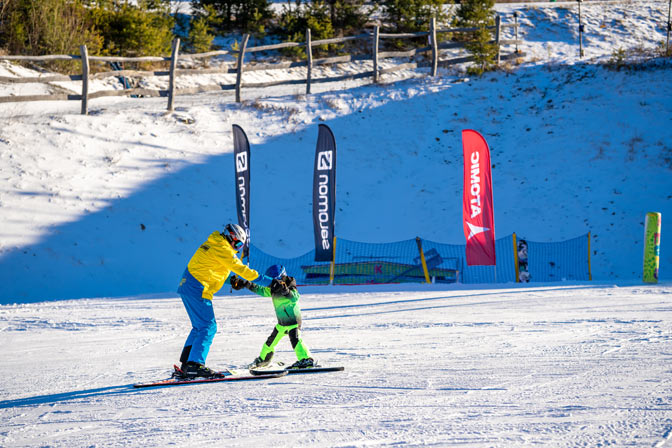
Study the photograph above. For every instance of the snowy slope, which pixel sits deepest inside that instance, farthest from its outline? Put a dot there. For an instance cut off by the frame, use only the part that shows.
(561, 366)
(114, 203)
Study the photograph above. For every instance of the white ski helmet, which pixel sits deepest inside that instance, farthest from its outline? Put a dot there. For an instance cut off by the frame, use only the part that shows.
(235, 235)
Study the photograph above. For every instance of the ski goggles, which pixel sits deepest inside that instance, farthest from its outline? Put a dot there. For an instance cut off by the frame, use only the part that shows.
(237, 244)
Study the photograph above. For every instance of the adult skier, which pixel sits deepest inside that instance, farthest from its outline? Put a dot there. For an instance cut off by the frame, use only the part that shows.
(285, 297)
(205, 274)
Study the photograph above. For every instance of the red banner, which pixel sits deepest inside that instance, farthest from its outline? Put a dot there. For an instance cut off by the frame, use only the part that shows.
(477, 205)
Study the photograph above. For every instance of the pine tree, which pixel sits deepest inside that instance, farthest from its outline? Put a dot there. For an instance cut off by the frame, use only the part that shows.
(241, 15)
(412, 15)
(294, 22)
(479, 14)
(347, 16)
(47, 27)
(144, 29)
(201, 30)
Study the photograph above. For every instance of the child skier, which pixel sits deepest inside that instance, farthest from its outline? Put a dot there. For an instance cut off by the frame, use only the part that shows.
(286, 302)
(204, 276)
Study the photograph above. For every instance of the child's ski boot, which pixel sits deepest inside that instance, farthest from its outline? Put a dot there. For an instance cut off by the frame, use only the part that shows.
(303, 364)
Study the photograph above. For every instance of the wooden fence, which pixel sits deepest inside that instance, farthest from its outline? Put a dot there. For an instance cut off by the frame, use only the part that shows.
(171, 92)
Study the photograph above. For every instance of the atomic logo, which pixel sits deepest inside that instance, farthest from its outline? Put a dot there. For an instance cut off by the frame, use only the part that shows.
(475, 230)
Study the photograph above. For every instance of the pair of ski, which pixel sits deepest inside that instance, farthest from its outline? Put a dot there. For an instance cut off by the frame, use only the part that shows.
(232, 375)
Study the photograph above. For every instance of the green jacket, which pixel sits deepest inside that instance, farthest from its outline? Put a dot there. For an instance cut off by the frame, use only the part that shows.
(286, 308)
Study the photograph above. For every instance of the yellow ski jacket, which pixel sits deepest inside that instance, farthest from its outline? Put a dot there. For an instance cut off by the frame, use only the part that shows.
(211, 265)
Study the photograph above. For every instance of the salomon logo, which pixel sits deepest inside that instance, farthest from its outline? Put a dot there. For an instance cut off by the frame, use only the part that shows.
(241, 162)
(324, 160)
(241, 197)
(323, 209)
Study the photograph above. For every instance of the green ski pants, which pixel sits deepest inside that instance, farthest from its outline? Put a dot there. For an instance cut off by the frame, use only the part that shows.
(276, 336)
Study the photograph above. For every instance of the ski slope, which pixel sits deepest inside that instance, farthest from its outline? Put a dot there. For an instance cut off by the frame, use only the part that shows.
(114, 203)
(108, 208)
(546, 365)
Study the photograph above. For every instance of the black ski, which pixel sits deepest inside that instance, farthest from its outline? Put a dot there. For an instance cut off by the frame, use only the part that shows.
(230, 377)
(318, 369)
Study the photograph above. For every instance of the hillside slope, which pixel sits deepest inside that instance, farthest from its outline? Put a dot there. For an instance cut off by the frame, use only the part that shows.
(115, 202)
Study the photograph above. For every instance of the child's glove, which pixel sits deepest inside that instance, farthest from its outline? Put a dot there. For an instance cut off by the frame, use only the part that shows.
(278, 288)
(290, 282)
(238, 283)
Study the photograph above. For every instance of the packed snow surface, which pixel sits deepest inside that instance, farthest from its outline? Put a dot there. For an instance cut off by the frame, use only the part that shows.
(545, 365)
(107, 208)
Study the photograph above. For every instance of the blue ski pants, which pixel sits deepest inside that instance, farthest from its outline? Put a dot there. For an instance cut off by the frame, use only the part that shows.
(204, 326)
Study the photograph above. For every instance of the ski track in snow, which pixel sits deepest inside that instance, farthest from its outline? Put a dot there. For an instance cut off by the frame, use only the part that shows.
(583, 365)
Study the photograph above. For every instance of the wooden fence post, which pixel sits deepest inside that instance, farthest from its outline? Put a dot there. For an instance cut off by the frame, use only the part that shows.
(669, 28)
(85, 79)
(498, 33)
(515, 28)
(376, 32)
(171, 76)
(309, 55)
(435, 47)
(241, 61)
(580, 32)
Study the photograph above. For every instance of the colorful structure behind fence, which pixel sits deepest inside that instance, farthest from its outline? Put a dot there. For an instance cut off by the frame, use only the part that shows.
(402, 262)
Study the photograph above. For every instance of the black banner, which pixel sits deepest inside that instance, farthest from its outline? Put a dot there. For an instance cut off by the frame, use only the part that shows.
(324, 194)
(241, 160)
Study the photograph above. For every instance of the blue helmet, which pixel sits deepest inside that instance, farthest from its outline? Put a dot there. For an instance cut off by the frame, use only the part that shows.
(277, 271)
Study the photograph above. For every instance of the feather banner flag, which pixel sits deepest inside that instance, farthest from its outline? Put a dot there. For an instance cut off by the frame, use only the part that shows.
(324, 193)
(477, 205)
(241, 159)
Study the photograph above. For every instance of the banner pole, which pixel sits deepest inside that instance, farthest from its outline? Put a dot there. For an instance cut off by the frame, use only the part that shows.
(590, 274)
(422, 259)
(333, 263)
(515, 258)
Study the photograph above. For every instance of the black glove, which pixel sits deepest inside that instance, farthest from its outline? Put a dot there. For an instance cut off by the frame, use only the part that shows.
(290, 282)
(279, 288)
(238, 283)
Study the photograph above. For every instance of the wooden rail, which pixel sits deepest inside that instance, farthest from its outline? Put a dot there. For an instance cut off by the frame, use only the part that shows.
(241, 67)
